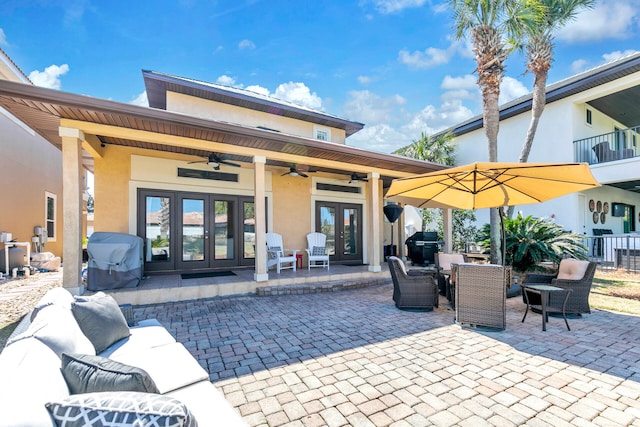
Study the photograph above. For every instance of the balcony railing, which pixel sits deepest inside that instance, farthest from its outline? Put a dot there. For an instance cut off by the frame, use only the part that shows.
(608, 147)
(615, 251)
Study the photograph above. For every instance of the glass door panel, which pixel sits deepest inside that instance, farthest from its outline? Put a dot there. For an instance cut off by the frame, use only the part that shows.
(223, 225)
(350, 231)
(248, 230)
(156, 229)
(193, 230)
(327, 216)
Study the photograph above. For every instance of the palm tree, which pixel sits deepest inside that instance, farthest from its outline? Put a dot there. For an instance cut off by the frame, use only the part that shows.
(539, 55)
(495, 28)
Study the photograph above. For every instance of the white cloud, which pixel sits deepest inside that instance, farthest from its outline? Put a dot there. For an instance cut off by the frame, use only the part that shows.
(258, 89)
(218, 49)
(617, 19)
(365, 80)
(298, 93)
(3, 38)
(369, 108)
(246, 44)
(511, 89)
(226, 80)
(391, 6)
(468, 81)
(428, 58)
(612, 56)
(140, 100)
(50, 77)
(579, 65)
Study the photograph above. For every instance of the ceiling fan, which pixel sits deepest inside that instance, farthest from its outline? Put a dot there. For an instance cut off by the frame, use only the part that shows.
(215, 161)
(355, 178)
(293, 171)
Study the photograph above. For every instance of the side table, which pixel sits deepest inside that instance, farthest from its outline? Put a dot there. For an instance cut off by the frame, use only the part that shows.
(299, 260)
(545, 291)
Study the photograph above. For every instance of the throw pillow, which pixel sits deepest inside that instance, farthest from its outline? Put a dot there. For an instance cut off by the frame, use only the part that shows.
(317, 251)
(120, 409)
(100, 319)
(87, 374)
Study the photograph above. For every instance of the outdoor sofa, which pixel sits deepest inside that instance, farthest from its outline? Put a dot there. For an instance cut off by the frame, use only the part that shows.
(72, 358)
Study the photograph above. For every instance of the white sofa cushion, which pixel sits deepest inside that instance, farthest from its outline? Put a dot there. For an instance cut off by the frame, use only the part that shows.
(171, 366)
(30, 376)
(120, 409)
(55, 326)
(208, 405)
(149, 333)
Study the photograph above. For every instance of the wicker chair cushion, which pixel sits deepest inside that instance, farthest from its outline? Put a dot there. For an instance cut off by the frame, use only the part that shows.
(572, 269)
(445, 260)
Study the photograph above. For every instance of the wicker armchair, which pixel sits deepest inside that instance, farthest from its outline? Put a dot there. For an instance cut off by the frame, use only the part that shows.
(481, 294)
(414, 290)
(572, 274)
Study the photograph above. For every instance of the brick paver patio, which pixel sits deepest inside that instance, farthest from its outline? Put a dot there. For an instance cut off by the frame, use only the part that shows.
(352, 358)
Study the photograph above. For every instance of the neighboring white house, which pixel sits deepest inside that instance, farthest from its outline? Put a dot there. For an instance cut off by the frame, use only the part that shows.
(592, 117)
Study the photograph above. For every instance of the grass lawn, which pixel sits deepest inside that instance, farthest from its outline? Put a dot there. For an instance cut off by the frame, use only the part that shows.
(616, 291)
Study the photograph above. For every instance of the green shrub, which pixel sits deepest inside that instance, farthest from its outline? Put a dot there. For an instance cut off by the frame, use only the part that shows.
(531, 240)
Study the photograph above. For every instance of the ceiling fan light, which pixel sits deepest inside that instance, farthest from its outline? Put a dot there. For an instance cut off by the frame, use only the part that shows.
(214, 164)
(293, 173)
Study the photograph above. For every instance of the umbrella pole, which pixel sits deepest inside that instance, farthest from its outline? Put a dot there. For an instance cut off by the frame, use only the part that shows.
(503, 236)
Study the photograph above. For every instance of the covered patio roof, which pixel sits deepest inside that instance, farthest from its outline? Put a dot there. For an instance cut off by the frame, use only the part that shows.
(108, 122)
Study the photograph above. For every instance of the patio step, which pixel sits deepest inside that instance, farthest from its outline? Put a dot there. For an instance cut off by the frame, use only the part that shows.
(313, 288)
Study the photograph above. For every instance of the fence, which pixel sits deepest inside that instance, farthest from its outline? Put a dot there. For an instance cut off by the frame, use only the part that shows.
(615, 252)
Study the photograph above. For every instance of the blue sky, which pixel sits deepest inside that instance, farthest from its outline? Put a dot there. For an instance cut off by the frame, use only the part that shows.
(394, 65)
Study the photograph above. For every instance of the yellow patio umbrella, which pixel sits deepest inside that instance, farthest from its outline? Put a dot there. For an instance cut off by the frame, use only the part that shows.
(492, 184)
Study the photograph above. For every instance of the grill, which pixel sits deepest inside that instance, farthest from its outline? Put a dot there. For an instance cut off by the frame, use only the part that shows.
(422, 247)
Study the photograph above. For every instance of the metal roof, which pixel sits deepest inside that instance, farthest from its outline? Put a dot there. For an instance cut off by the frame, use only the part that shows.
(42, 109)
(158, 84)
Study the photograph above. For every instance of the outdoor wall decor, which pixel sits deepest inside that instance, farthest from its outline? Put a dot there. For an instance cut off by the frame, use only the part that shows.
(605, 207)
(595, 217)
(602, 217)
(592, 205)
(599, 206)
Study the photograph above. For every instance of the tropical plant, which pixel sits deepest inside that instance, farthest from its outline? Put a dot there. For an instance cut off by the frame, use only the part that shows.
(495, 28)
(531, 240)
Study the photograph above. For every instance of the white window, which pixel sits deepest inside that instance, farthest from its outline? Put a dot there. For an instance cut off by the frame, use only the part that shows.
(50, 215)
(323, 134)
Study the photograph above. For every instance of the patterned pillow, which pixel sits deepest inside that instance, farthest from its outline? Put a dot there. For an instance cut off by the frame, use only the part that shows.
(317, 250)
(273, 251)
(87, 374)
(120, 409)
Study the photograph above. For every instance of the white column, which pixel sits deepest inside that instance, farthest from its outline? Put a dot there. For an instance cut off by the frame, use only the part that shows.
(374, 225)
(72, 189)
(260, 274)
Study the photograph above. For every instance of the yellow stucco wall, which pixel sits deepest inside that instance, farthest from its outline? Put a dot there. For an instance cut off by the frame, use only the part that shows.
(206, 109)
(111, 188)
(292, 210)
(31, 166)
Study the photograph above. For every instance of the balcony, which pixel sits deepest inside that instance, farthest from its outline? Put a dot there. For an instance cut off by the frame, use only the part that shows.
(608, 147)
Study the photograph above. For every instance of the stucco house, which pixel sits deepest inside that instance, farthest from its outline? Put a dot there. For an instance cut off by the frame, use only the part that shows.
(205, 171)
(30, 175)
(591, 117)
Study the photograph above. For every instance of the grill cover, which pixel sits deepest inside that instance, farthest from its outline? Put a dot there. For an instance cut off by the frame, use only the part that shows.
(115, 261)
(422, 247)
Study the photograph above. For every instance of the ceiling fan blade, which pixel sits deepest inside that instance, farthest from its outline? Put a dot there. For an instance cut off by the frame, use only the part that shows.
(197, 161)
(302, 174)
(228, 163)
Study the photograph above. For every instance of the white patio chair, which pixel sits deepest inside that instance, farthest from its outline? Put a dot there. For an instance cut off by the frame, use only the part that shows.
(317, 251)
(276, 254)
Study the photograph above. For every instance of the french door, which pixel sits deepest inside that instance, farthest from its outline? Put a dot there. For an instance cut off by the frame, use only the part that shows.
(342, 224)
(192, 231)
